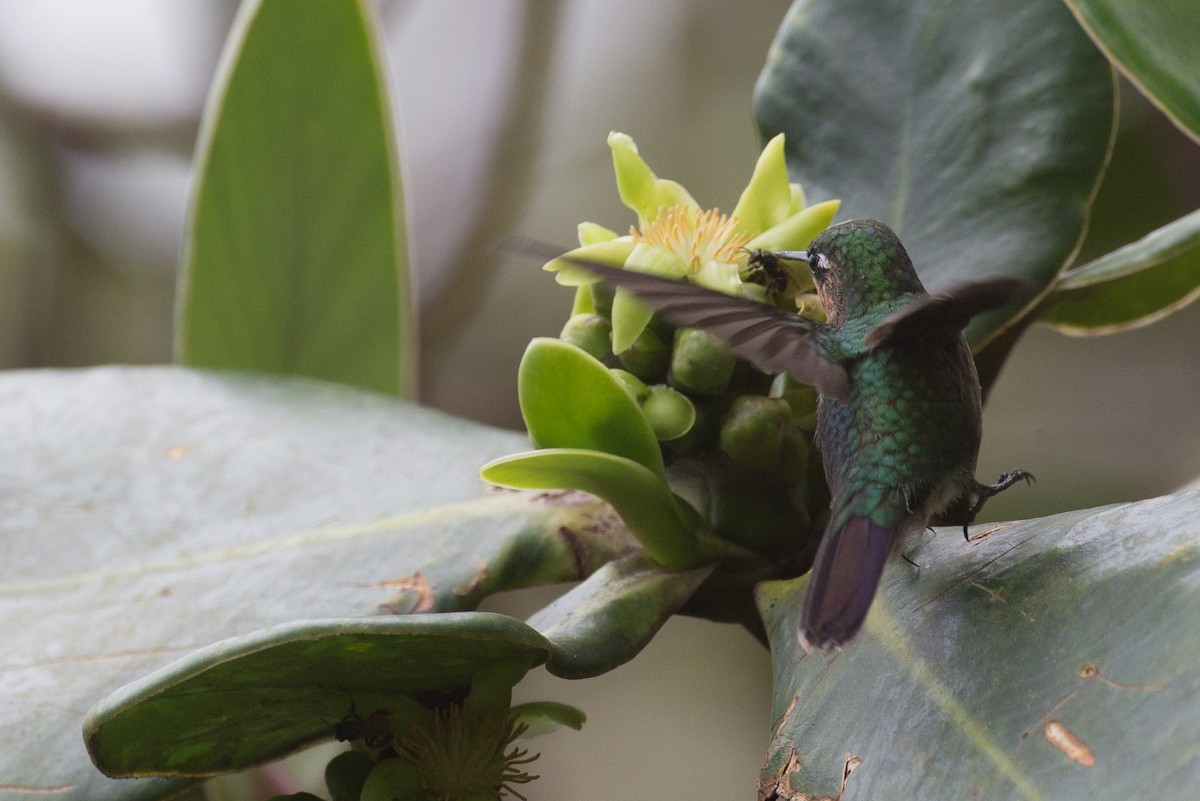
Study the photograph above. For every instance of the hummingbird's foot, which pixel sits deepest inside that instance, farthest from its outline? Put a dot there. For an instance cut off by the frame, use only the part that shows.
(985, 491)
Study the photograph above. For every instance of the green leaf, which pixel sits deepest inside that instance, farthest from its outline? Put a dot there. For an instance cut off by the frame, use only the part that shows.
(570, 400)
(610, 617)
(667, 528)
(294, 256)
(245, 700)
(153, 511)
(977, 131)
(1154, 44)
(974, 672)
(1132, 286)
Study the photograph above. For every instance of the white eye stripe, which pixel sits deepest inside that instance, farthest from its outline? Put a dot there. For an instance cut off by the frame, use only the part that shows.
(818, 264)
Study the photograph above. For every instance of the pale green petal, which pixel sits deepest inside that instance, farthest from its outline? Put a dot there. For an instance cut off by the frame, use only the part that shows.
(672, 193)
(614, 252)
(591, 233)
(798, 199)
(640, 189)
(767, 199)
(719, 275)
(656, 261)
(630, 315)
(629, 318)
(797, 231)
(754, 292)
(583, 303)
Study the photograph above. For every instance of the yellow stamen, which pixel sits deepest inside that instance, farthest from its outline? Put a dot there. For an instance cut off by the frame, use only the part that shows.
(696, 236)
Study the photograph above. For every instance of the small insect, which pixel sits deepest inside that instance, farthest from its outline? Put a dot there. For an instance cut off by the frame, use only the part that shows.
(768, 268)
(375, 731)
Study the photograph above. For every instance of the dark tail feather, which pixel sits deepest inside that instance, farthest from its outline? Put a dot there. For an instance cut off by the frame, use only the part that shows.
(842, 584)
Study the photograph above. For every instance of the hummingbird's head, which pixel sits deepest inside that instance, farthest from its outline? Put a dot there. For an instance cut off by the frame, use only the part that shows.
(859, 264)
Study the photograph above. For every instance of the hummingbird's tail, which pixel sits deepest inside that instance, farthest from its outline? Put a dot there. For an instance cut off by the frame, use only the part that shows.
(844, 577)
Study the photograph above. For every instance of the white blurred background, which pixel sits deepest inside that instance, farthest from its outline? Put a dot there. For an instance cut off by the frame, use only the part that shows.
(503, 108)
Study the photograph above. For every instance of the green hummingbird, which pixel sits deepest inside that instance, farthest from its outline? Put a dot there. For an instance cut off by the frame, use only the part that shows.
(899, 420)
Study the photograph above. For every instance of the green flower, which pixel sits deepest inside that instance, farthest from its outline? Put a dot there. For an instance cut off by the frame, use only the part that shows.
(676, 238)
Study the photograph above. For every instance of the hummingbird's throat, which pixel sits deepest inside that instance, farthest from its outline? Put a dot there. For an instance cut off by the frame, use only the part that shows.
(696, 236)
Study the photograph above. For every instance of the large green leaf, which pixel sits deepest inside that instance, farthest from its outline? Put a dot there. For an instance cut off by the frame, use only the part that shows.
(1132, 286)
(1050, 659)
(294, 256)
(150, 512)
(1154, 43)
(977, 130)
(249, 699)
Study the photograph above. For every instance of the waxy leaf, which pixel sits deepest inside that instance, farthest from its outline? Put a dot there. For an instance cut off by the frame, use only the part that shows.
(1130, 287)
(570, 400)
(666, 527)
(1154, 44)
(294, 259)
(609, 618)
(256, 697)
(978, 131)
(150, 512)
(1047, 659)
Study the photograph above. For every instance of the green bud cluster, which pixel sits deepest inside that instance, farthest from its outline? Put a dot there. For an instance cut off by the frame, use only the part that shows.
(750, 434)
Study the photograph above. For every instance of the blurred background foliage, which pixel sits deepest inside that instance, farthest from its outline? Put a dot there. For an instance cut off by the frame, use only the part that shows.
(503, 109)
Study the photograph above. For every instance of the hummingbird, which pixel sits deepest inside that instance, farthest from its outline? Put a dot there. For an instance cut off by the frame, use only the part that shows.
(899, 419)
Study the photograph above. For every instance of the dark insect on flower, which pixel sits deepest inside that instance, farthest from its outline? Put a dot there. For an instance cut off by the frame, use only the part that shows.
(375, 731)
(767, 268)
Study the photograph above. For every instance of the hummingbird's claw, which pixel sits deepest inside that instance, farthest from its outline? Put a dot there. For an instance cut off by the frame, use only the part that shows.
(985, 491)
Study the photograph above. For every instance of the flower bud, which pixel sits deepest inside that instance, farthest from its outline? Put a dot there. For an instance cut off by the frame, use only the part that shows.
(602, 298)
(393, 779)
(752, 431)
(793, 458)
(670, 413)
(634, 385)
(345, 774)
(700, 363)
(589, 332)
(801, 399)
(760, 518)
(647, 358)
(700, 435)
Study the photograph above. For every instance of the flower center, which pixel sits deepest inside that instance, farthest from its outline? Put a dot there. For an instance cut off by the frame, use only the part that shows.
(696, 236)
(463, 757)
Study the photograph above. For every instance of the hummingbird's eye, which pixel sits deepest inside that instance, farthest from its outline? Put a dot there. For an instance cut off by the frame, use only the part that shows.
(818, 265)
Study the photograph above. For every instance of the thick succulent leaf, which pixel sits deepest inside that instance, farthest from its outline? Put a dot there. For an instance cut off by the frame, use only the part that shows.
(667, 529)
(259, 696)
(294, 260)
(570, 400)
(977, 130)
(1154, 44)
(1048, 659)
(609, 618)
(150, 512)
(1130, 287)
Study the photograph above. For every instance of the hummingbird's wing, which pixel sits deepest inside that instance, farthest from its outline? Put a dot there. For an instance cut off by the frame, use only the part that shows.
(771, 339)
(946, 312)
